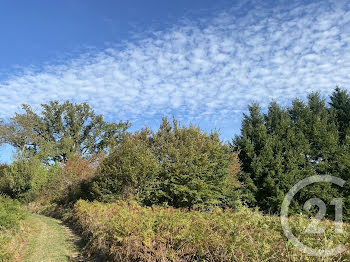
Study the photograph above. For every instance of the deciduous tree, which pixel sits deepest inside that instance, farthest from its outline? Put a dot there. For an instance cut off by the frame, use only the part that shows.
(61, 130)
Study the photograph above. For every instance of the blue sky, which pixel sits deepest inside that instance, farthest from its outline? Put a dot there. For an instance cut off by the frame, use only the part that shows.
(201, 60)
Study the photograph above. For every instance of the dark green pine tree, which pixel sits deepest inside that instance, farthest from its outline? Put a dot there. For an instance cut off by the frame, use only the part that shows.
(340, 103)
(318, 126)
(286, 145)
(249, 144)
(277, 122)
(322, 133)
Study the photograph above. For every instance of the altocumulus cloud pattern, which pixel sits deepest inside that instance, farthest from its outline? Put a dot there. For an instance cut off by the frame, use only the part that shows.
(206, 69)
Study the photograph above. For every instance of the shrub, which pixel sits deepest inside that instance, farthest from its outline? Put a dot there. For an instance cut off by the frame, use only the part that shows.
(24, 179)
(11, 214)
(131, 171)
(128, 232)
(73, 177)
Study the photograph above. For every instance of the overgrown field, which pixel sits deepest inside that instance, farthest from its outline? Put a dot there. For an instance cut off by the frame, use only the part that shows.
(11, 214)
(128, 232)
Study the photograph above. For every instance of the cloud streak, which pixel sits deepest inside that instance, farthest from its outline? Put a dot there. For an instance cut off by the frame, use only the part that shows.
(208, 69)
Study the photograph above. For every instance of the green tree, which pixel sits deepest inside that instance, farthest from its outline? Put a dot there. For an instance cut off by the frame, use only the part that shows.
(340, 102)
(61, 130)
(285, 145)
(340, 105)
(195, 165)
(249, 144)
(129, 172)
(24, 179)
(179, 166)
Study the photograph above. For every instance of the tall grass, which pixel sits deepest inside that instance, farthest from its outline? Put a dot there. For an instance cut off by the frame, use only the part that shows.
(11, 214)
(128, 232)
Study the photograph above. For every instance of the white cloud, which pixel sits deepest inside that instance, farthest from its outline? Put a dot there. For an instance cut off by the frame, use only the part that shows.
(206, 70)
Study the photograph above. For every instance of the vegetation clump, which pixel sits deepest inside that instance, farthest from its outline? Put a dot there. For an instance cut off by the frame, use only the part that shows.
(179, 166)
(279, 148)
(11, 214)
(125, 231)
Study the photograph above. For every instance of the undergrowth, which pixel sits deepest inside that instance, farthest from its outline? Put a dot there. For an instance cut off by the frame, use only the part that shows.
(128, 232)
(11, 214)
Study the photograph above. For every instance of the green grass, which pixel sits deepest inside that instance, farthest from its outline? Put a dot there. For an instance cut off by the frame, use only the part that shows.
(49, 240)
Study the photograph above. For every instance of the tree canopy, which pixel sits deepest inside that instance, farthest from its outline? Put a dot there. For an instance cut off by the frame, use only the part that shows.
(183, 166)
(179, 166)
(61, 130)
(284, 145)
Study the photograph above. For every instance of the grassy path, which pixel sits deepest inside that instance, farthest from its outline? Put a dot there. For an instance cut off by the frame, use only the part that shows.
(50, 240)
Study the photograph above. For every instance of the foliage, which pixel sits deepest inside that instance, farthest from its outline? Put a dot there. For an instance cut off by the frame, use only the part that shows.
(130, 171)
(24, 179)
(73, 177)
(179, 166)
(67, 152)
(281, 147)
(127, 232)
(61, 130)
(11, 214)
(340, 102)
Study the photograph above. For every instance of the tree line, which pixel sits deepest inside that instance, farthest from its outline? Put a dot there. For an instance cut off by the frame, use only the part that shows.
(68, 149)
(279, 148)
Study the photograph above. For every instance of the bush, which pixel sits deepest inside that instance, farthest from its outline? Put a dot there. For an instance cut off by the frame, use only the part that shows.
(128, 232)
(131, 171)
(11, 214)
(25, 179)
(73, 177)
(179, 166)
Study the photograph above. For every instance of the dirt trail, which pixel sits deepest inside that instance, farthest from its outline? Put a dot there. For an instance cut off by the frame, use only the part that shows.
(50, 240)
